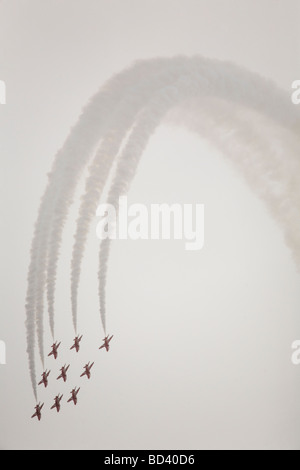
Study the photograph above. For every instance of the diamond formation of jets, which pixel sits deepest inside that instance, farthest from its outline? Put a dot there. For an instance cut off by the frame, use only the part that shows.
(63, 375)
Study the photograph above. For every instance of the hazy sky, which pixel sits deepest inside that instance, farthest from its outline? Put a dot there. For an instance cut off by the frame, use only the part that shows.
(202, 351)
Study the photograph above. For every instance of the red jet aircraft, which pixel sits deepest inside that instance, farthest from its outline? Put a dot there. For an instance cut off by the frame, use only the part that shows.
(38, 411)
(57, 401)
(55, 347)
(74, 394)
(44, 380)
(63, 374)
(87, 371)
(76, 344)
(106, 340)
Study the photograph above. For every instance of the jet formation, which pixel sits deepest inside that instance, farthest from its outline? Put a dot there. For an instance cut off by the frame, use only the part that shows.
(64, 376)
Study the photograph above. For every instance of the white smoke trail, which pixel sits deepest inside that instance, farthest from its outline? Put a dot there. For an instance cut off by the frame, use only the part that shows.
(137, 84)
(34, 274)
(96, 118)
(77, 149)
(99, 115)
(145, 127)
(204, 80)
(259, 149)
(141, 134)
(101, 166)
(196, 77)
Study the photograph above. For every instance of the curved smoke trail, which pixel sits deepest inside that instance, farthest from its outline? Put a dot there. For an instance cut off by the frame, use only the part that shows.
(279, 205)
(101, 166)
(195, 77)
(134, 88)
(132, 104)
(261, 159)
(129, 160)
(97, 116)
(72, 158)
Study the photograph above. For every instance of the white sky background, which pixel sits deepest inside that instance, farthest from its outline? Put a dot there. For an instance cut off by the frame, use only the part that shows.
(202, 347)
